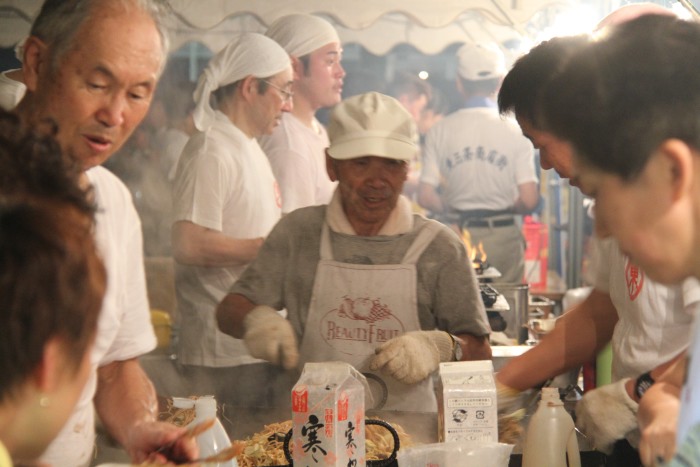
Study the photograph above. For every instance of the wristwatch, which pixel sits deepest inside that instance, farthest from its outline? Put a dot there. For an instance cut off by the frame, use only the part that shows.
(456, 348)
(644, 382)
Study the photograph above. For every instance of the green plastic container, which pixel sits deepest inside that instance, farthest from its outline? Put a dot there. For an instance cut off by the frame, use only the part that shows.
(603, 366)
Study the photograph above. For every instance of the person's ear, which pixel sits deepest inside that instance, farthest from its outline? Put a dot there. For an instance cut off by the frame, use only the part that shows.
(681, 160)
(458, 83)
(249, 87)
(330, 167)
(34, 60)
(46, 375)
(297, 68)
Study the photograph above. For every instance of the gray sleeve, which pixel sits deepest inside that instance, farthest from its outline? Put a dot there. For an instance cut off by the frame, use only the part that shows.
(263, 279)
(282, 276)
(448, 291)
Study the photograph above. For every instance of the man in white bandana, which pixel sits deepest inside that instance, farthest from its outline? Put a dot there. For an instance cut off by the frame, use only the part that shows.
(363, 279)
(296, 147)
(225, 201)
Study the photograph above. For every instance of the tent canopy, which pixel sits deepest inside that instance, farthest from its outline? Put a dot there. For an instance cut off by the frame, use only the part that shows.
(428, 25)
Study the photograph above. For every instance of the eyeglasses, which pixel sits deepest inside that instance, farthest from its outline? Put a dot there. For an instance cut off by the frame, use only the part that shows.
(285, 95)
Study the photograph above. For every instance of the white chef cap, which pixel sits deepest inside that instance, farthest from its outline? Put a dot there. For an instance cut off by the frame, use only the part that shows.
(371, 124)
(249, 53)
(480, 61)
(301, 34)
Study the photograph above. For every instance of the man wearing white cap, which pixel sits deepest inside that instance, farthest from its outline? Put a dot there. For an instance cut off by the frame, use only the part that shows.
(296, 147)
(483, 165)
(363, 279)
(226, 200)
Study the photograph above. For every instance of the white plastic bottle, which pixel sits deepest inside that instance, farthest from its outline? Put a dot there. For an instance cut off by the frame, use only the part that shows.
(551, 437)
(214, 439)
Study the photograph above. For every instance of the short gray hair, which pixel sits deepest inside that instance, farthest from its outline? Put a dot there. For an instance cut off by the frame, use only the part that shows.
(60, 20)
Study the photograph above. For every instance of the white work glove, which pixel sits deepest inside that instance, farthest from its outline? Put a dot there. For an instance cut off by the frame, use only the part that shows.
(606, 414)
(508, 398)
(270, 337)
(412, 357)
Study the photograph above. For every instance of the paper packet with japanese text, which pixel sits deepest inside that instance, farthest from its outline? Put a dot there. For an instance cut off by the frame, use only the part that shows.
(328, 416)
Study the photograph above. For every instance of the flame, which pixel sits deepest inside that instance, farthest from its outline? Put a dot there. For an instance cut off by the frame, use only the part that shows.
(471, 251)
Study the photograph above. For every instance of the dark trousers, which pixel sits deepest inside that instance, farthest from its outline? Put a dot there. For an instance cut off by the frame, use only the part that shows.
(623, 455)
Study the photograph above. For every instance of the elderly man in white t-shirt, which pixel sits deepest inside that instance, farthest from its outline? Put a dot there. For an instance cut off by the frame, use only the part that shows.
(296, 147)
(91, 66)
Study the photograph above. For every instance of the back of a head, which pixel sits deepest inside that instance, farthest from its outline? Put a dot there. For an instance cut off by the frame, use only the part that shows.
(480, 61)
(371, 124)
(481, 67)
(621, 96)
(300, 34)
(438, 103)
(59, 21)
(409, 84)
(522, 86)
(51, 285)
(51, 278)
(177, 99)
(32, 165)
(632, 11)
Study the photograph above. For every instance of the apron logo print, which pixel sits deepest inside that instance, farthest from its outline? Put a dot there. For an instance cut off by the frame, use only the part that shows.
(365, 309)
(634, 278)
(358, 322)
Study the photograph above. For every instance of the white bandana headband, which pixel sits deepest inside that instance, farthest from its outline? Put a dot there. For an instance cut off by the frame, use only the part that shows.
(247, 54)
(301, 34)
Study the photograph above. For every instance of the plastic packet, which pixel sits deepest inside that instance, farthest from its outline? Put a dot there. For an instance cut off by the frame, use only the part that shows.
(453, 453)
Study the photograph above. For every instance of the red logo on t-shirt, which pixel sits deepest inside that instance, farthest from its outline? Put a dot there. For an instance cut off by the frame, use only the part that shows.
(635, 280)
(278, 194)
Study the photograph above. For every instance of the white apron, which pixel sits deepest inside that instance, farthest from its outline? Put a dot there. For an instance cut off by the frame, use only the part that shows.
(356, 308)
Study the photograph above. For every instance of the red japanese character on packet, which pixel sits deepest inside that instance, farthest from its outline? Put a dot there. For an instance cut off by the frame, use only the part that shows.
(328, 416)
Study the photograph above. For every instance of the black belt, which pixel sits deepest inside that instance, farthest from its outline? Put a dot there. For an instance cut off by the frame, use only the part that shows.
(483, 213)
(488, 222)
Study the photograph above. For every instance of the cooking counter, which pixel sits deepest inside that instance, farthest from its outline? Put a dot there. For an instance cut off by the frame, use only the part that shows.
(241, 422)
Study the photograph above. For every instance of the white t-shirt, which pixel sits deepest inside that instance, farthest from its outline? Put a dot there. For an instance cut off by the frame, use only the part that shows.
(297, 157)
(689, 416)
(171, 141)
(11, 91)
(124, 325)
(478, 158)
(654, 320)
(224, 183)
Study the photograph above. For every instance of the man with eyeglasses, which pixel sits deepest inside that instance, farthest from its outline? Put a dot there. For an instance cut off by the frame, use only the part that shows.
(225, 201)
(296, 147)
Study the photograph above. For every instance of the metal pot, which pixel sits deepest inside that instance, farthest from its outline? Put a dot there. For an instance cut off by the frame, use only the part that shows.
(543, 304)
(517, 296)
